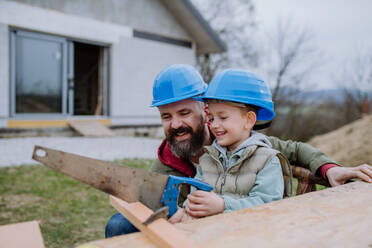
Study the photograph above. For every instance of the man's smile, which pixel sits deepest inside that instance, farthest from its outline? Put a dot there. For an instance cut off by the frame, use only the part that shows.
(180, 136)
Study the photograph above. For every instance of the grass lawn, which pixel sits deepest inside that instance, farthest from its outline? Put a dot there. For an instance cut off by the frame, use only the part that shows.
(69, 212)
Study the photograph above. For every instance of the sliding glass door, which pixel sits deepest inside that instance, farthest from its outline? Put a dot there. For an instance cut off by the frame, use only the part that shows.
(55, 76)
(39, 73)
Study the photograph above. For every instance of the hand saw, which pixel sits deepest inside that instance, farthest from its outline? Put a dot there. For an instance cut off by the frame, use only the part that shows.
(127, 183)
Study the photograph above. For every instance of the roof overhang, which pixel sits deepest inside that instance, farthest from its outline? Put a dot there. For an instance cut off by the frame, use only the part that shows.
(207, 40)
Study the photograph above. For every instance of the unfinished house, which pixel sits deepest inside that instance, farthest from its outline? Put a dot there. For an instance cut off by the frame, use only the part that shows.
(63, 60)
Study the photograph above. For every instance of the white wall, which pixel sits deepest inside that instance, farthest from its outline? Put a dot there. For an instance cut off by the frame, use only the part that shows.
(144, 15)
(135, 63)
(58, 23)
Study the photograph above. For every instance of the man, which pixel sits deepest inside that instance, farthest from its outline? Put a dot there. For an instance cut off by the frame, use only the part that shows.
(185, 124)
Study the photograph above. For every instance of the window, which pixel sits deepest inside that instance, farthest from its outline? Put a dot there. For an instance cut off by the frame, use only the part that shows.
(55, 76)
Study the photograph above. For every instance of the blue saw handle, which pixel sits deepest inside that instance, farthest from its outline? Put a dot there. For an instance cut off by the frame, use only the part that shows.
(170, 196)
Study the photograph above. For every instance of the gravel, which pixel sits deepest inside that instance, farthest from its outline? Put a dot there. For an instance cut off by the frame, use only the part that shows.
(18, 151)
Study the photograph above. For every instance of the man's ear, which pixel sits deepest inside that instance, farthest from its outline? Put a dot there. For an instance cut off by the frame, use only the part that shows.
(251, 119)
(206, 112)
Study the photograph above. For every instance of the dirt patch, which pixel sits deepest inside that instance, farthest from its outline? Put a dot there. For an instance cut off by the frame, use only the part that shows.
(16, 201)
(5, 216)
(349, 145)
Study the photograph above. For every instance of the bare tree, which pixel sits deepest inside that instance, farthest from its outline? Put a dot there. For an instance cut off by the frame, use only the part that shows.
(284, 56)
(288, 59)
(234, 21)
(289, 56)
(356, 82)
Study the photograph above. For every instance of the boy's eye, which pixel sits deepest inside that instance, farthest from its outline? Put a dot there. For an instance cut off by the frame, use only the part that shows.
(223, 117)
(211, 119)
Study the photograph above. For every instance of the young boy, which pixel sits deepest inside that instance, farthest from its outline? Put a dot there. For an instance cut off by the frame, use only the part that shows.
(240, 163)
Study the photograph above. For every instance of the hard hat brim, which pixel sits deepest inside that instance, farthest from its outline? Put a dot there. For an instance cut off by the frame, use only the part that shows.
(176, 99)
(264, 113)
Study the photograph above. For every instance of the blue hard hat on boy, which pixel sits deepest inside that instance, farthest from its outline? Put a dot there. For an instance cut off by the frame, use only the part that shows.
(175, 83)
(241, 86)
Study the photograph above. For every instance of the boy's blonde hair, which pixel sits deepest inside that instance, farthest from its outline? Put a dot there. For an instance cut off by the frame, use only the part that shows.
(243, 106)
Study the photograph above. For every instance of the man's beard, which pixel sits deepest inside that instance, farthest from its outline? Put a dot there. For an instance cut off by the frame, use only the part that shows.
(187, 148)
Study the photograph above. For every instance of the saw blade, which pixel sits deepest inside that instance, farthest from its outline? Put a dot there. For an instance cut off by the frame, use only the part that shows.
(127, 183)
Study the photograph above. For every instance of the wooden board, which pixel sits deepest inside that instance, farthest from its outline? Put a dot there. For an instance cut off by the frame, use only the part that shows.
(334, 217)
(90, 128)
(160, 231)
(21, 235)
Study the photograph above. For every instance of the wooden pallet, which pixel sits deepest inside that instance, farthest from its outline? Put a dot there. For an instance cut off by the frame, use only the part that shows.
(334, 217)
(90, 128)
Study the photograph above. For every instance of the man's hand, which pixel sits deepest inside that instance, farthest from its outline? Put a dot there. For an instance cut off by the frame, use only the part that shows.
(180, 216)
(202, 203)
(339, 175)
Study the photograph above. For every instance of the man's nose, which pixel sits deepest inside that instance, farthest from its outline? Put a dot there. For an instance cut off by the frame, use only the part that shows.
(176, 123)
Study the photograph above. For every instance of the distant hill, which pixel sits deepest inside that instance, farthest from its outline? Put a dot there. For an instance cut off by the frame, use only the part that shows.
(320, 96)
(349, 145)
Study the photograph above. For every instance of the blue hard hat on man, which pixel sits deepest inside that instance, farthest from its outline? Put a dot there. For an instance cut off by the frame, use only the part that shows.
(175, 83)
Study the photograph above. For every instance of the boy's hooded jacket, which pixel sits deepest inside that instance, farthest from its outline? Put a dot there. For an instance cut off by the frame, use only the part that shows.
(248, 176)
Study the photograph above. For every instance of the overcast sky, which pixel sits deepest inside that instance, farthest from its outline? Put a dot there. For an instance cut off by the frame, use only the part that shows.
(339, 26)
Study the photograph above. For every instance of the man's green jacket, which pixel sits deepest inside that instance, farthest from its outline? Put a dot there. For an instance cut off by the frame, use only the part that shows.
(297, 153)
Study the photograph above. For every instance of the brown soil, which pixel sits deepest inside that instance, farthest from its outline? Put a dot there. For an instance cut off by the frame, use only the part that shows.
(349, 145)
(17, 201)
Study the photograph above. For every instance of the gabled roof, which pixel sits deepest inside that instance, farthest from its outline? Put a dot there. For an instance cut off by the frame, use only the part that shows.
(207, 40)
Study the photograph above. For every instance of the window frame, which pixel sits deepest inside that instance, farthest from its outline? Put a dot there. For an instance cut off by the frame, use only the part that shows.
(67, 72)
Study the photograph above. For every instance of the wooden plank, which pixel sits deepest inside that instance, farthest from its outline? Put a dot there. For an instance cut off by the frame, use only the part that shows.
(160, 231)
(21, 235)
(335, 217)
(90, 128)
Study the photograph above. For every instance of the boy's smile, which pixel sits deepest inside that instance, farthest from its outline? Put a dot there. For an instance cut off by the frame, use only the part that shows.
(219, 133)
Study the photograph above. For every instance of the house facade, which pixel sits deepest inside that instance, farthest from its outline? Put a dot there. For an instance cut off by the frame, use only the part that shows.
(92, 59)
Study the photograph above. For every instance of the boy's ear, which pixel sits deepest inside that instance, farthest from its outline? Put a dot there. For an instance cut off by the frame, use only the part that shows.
(251, 120)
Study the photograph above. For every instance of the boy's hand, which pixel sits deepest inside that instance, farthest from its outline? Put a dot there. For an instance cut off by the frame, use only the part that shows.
(202, 203)
(180, 216)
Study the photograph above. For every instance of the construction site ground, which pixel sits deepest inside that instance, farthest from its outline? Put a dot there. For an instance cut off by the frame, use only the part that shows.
(349, 145)
(18, 151)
